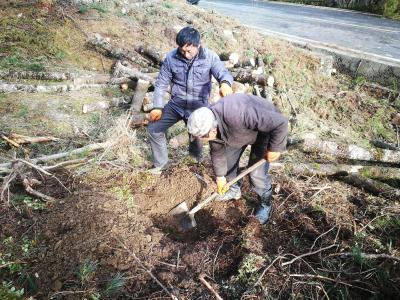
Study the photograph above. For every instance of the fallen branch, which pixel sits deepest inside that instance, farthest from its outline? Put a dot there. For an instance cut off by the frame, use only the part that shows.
(86, 149)
(308, 254)
(329, 279)
(372, 256)
(209, 287)
(23, 139)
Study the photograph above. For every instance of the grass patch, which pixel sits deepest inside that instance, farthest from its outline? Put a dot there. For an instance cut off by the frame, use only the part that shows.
(26, 42)
(86, 271)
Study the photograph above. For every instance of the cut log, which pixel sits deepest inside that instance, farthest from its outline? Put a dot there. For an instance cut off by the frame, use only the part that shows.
(352, 152)
(101, 43)
(32, 88)
(384, 145)
(137, 119)
(372, 186)
(140, 93)
(249, 76)
(104, 105)
(122, 71)
(316, 169)
(92, 79)
(55, 76)
(155, 56)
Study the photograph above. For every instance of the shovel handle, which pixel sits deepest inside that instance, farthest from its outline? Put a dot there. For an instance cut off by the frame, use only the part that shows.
(234, 180)
(247, 171)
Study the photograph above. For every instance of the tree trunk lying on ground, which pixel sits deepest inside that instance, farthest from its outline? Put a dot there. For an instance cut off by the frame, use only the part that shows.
(372, 186)
(353, 175)
(103, 105)
(353, 152)
(312, 169)
(249, 76)
(150, 53)
(120, 71)
(56, 76)
(100, 43)
(33, 88)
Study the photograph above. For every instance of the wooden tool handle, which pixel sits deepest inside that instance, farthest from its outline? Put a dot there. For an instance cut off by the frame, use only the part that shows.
(234, 180)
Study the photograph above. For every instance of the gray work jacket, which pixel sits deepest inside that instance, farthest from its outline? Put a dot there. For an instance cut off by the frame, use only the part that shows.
(190, 80)
(241, 118)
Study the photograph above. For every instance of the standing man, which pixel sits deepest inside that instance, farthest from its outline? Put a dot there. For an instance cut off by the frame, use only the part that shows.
(188, 71)
(230, 125)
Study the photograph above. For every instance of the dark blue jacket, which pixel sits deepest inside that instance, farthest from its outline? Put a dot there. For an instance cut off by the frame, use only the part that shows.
(190, 80)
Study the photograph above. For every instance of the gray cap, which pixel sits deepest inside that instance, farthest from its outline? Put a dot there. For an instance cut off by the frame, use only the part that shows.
(201, 121)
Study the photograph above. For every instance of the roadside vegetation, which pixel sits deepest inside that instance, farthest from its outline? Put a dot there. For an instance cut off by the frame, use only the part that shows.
(387, 8)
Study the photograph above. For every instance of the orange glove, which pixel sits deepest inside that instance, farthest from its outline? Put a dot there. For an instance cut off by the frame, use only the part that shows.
(155, 114)
(272, 156)
(221, 185)
(225, 89)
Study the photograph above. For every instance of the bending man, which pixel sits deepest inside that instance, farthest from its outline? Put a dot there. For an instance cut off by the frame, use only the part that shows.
(230, 125)
(188, 71)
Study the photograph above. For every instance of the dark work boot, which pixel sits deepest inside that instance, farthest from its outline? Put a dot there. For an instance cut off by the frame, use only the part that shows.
(264, 210)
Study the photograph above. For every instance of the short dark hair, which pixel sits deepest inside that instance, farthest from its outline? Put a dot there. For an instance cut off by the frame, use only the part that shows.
(188, 36)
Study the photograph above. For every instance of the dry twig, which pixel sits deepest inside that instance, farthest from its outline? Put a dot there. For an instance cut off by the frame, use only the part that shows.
(148, 271)
(209, 287)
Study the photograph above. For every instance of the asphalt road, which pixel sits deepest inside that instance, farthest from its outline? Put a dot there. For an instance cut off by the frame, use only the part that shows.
(360, 33)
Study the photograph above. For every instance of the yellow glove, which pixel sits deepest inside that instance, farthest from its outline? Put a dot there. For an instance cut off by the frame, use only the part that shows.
(225, 89)
(272, 156)
(221, 185)
(155, 114)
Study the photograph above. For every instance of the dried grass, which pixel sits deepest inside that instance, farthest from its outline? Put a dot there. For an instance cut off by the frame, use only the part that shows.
(123, 140)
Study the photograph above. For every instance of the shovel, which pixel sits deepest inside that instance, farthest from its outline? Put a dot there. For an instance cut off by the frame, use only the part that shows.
(188, 221)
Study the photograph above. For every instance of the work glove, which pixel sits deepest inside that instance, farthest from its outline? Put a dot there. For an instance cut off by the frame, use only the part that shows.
(221, 185)
(155, 114)
(225, 89)
(271, 156)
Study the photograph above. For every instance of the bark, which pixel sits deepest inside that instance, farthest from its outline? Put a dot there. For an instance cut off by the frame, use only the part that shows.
(137, 119)
(79, 151)
(103, 105)
(140, 93)
(55, 76)
(155, 56)
(372, 186)
(100, 43)
(384, 145)
(32, 88)
(23, 139)
(120, 71)
(352, 152)
(315, 169)
(249, 76)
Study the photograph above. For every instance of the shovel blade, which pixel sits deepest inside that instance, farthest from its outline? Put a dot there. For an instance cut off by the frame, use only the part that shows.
(188, 222)
(180, 209)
